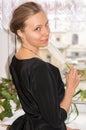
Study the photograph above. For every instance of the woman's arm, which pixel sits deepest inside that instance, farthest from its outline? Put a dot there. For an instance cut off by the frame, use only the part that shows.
(68, 128)
(72, 82)
(45, 92)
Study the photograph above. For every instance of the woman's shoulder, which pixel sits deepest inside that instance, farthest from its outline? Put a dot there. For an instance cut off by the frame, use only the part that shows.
(33, 62)
(39, 63)
(28, 60)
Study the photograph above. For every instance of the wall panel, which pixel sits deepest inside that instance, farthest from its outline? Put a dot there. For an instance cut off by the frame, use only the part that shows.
(7, 49)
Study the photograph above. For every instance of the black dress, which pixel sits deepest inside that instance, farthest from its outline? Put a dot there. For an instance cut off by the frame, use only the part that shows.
(40, 90)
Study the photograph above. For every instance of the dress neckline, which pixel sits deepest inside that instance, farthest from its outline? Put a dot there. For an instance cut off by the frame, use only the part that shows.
(26, 59)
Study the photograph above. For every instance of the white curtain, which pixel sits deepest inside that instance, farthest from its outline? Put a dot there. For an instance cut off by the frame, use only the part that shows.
(72, 12)
(64, 16)
(0, 14)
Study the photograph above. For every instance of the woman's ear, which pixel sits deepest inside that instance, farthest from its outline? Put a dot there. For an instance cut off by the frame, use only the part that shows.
(20, 33)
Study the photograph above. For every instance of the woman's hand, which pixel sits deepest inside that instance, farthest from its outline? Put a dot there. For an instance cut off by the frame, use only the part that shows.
(68, 128)
(72, 79)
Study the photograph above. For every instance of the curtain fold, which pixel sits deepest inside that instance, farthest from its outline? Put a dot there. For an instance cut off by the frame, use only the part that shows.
(72, 12)
(0, 14)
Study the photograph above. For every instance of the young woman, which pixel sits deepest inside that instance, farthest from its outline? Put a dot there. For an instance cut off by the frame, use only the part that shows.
(38, 83)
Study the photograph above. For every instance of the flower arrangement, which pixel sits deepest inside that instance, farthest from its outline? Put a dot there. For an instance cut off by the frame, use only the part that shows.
(7, 94)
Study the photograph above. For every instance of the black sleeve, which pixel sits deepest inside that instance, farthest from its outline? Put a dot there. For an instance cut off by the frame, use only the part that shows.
(61, 86)
(46, 94)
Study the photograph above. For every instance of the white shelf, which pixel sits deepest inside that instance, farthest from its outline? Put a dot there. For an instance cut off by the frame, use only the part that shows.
(79, 122)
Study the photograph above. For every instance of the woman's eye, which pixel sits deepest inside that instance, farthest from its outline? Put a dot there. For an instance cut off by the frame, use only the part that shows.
(38, 29)
(47, 23)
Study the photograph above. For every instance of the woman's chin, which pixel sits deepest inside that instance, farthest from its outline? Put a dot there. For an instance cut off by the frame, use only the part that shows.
(45, 44)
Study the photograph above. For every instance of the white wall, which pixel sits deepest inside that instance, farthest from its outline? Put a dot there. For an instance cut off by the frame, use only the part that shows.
(7, 49)
(66, 37)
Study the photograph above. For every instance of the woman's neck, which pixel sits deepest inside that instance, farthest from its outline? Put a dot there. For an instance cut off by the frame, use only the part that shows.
(30, 48)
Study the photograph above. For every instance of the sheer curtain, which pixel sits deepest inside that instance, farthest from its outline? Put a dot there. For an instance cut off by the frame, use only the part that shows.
(72, 12)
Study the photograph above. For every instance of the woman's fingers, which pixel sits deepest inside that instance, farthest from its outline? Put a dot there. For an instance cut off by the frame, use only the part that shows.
(73, 78)
(68, 128)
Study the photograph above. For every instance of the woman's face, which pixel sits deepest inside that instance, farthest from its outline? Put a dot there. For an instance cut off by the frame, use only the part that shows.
(36, 31)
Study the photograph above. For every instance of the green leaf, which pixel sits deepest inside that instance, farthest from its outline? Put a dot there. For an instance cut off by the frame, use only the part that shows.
(83, 93)
(5, 80)
(78, 92)
(80, 72)
(68, 65)
(1, 86)
(83, 74)
(6, 95)
(16, 100)
(7, 109)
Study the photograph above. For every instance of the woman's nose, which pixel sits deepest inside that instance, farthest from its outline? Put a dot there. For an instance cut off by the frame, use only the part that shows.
(46, 31)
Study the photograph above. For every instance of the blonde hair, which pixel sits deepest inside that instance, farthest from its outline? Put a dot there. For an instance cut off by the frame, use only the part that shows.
(21, 14)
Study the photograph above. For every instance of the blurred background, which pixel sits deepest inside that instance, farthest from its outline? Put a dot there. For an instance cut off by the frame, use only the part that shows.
(67, 21)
